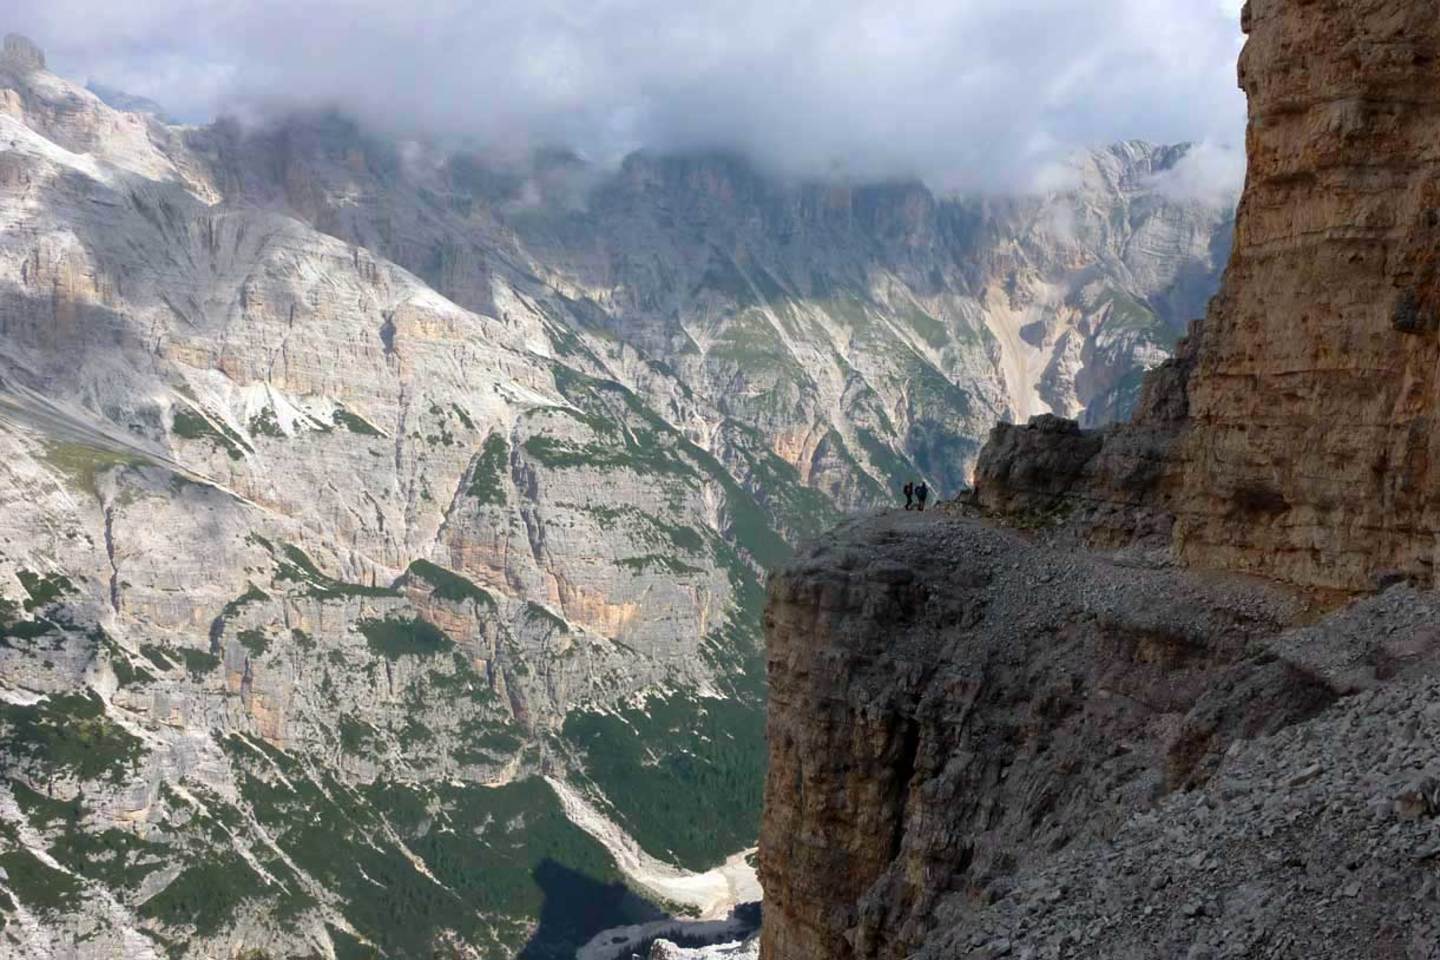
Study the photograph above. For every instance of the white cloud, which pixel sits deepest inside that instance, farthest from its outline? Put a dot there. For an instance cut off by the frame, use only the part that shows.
(1211, 172)
(966, 93)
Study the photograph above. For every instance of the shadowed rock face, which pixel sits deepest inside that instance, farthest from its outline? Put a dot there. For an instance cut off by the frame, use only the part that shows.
(1295, 433)
(949, 704)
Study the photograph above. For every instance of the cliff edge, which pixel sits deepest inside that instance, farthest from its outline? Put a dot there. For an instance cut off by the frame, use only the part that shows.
(975, 735)
(1082, 726)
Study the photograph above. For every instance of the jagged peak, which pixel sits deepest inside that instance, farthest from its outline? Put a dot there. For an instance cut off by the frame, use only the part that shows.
(21, 54)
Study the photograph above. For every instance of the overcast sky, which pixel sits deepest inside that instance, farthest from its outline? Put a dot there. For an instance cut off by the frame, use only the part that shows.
(968, 94)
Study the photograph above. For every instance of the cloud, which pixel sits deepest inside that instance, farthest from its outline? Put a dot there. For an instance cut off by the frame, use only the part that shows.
(965, 93)
(1210, 172)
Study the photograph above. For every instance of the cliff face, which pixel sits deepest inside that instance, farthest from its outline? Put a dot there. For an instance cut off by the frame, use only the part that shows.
(388, 509)
(1294, 434)
(951, 703)
(1314, 391)
(991, 743)
(981, 744)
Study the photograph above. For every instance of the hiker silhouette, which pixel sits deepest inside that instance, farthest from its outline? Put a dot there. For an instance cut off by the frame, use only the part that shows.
(909, 495)
(921, 493)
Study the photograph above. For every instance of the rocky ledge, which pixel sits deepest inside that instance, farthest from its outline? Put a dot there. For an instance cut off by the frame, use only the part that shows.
(984, 745)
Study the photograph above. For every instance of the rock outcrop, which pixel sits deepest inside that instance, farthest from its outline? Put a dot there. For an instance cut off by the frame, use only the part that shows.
(1294, 434)
(21, 55)
(1083, 731)
(981, 742)
(365, 514)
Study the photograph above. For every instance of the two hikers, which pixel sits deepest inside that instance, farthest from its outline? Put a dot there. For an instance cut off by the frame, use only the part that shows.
(916, 492)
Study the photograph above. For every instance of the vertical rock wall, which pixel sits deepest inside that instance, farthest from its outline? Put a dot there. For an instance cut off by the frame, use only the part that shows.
(1314, 394)
(1294, 433)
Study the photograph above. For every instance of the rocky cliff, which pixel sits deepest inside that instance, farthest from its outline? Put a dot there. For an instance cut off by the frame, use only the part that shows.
(381, 532)
(1024, 728)
(983, 745)
(1293, 434)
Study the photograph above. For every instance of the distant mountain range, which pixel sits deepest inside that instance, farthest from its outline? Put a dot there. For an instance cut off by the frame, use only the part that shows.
(348, 491)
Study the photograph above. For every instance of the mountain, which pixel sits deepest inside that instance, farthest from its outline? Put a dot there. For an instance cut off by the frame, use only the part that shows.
(1169, 688)
(382, 532)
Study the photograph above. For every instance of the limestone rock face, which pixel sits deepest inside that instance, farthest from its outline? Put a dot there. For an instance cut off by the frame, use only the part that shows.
(20, 54)
(356, 501)
(994, 743)
(305, 567)
(1314, 390)
(982, 744)
(1294, 435)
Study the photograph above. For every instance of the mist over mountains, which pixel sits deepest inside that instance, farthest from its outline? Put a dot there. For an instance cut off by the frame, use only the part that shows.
(984, 95)
(383, 529)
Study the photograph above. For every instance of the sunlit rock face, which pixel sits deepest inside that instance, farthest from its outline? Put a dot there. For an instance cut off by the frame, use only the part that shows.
(345, 491)
(1293, 434)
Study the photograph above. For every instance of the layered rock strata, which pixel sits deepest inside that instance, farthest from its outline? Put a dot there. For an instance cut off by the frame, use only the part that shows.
(989, 743)
(1294, 435)
(978, 741)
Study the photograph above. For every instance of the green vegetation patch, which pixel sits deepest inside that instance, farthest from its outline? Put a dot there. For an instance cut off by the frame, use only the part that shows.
(69, 734)
(535, 613)
(192, 425)
(255, 641)
(658, 561)
(40, 887)
(43, 590)
(252, 594)
(749, 523)
(28, 630)
(849, 310)
(264, 424)
(412, 637)
(356, 736)
(447, 585)
(198, 662)
(337, 836)
(487, 476)
(112, 857)
(294, 565)
(627, 434)
(511, 853)
(354, 423)
(161, 658)
(648, 528)
(464, 417)
(752, 343)
(486, 741)
(932, 331)
(206, 895)
(83, 464)
(1128, 313)
(684, 775)
(630, 453)
(126, 673)
(782, 499)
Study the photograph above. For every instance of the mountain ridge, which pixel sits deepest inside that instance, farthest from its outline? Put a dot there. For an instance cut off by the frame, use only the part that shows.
(343, 502)
(1165, 688)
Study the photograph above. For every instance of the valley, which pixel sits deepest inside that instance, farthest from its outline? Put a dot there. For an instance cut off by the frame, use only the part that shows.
(383, 532)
